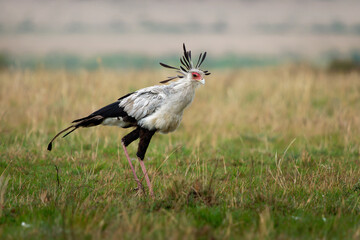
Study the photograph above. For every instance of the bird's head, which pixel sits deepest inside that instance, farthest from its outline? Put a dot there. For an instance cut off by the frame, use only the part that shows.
(188, 70)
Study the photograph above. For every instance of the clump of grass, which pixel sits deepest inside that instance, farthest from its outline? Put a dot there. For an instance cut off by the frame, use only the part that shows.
(233, 168)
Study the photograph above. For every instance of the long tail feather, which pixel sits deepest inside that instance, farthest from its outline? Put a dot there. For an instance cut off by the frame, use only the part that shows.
(72, 126)
(70, 132)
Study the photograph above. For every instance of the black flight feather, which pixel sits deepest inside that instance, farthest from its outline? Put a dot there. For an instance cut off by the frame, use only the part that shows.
(110, 111)
(125, 96)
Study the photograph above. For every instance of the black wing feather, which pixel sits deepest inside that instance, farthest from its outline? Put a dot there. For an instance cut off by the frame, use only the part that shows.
(110, 111)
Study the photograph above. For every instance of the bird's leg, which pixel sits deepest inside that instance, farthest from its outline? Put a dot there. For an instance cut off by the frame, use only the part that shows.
(140, 186)
(125, 141)
(147, 178)
(145, 137)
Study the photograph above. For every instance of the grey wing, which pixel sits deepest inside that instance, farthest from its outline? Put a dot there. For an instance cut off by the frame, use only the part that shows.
(144, 102)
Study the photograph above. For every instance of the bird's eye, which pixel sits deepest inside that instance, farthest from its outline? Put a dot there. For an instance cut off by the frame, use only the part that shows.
(195, 75)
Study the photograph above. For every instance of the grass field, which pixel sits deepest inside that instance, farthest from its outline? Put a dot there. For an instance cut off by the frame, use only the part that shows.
(260, 154)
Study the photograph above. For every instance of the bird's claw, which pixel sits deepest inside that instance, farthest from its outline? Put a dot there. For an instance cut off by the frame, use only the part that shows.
(140, 189)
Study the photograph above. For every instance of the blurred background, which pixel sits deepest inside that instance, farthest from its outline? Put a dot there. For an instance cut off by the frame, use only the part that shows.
(269, 149)
(138, 34)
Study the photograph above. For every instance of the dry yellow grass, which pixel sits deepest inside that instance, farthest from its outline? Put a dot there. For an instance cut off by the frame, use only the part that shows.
(287, 101)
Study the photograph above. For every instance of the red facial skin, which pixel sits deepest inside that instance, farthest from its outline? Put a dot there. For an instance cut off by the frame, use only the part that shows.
(196, 76)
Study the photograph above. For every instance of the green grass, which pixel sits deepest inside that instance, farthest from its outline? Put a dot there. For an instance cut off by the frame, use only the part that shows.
(307, 193)
(254, 176)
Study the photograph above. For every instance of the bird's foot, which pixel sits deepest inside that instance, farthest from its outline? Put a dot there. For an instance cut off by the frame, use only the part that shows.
(152, 195)
(140, 189)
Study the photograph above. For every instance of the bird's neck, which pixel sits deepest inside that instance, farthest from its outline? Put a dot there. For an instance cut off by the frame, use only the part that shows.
(186, 85)
(183, 94)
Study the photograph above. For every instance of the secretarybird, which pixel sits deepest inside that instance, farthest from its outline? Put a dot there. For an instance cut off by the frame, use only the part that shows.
(149, 110)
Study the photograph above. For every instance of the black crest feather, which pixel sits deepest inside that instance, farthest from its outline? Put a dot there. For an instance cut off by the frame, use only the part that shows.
(167, 66)
(186, 64)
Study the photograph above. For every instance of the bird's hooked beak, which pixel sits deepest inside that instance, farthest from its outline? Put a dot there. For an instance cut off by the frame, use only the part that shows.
(202, 81)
